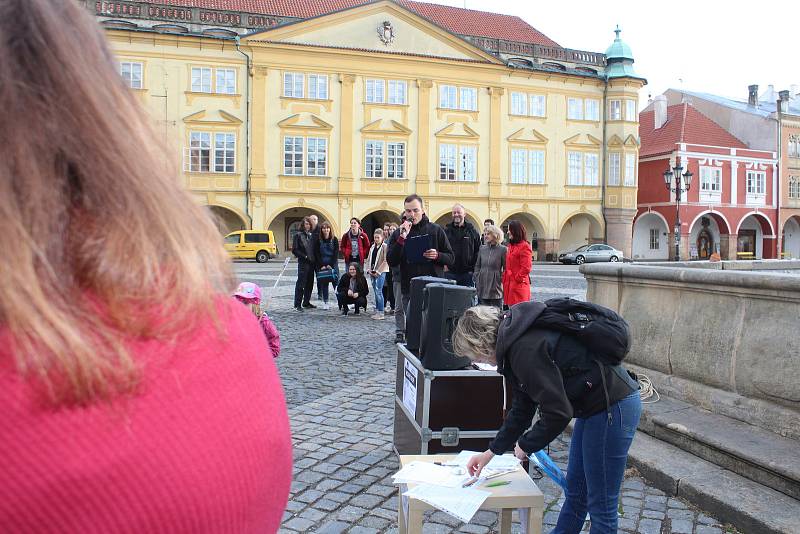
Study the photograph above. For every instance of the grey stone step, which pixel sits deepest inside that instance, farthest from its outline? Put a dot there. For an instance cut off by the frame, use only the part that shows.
(752, 452)
(749, 506)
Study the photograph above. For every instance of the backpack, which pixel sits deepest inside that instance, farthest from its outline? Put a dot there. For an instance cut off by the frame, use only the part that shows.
(600, 329)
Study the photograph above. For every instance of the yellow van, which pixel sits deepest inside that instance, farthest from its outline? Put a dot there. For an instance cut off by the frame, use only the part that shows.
(250, 244)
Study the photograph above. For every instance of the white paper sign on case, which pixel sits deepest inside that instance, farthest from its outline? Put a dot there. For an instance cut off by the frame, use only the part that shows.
(410, 388)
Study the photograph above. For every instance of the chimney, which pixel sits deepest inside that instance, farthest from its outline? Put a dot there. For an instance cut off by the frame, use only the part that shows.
(794, 91)
(783, 101)
(660, 108)
(752, 96)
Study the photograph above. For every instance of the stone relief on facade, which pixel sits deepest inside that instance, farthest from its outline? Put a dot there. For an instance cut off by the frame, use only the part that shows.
(386, 32)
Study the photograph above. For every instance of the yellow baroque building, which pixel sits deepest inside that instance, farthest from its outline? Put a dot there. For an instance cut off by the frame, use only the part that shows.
(345, 113)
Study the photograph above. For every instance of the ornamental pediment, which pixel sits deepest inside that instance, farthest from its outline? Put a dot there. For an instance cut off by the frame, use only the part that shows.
(382, 26)
(527, 135)
(457, 130)
(583, 140)
(209, 117)
(304, 121)
(385, 127)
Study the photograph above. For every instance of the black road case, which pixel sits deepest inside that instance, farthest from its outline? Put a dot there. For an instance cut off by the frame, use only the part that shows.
(445, 411)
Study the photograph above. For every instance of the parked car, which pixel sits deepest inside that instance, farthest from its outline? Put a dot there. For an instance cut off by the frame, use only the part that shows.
(591, 254)
(251, 244)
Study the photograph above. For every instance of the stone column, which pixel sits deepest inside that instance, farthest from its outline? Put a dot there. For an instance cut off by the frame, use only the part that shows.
(726, 251)
(258, 142)
(548, 246)
(495, 140)
(619, 228)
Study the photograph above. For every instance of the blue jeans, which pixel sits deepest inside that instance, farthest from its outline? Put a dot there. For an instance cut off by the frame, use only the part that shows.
(377, 289)
(597, 457)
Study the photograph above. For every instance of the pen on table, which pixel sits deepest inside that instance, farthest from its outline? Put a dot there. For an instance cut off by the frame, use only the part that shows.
(469, 482)
(498, 483)
(501, 473)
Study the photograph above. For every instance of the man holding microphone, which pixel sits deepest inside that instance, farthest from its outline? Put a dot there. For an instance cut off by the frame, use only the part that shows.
(432, 260)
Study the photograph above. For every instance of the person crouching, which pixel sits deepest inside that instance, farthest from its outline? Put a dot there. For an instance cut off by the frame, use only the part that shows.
(352, 289)
(563, 377)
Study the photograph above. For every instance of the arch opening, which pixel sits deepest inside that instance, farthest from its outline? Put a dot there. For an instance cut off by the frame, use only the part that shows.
(376, 219)
(288, 222)
(752, 237)
(791, 238)
(226, 220)
(580, 229)
(650, 238)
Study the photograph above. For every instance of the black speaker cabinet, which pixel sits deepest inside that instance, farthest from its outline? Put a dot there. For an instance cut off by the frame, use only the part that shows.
(442, 305)
(414, 315)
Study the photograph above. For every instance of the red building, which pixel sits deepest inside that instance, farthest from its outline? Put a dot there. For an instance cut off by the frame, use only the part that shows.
(731, 205)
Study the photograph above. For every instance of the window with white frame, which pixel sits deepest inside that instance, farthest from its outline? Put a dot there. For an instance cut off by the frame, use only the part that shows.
(452, 97)
(203, 156)
(458, 162)
(375, 92)
(630, 169)
(519, 104)
(615, 110)
(592, 109)
(396, 160)
(519, 166)
(756, 183)
(199, 152)
(373, 159)
(467, 156)
(226, 81)
(710, 180)
(294, 84)
(575, 168)
(293, 155)
(447, 162)
(316, 156)
(131, 72)
(630, 111)
(614, 168)
(591, 169)
(397, 91)
(527, 166)
(201, 79)
(318, 86)
(525, 104)
(448, 96)
(224, 152)
(575, 109)
(794, 146)
(468, 98)
(794, 187)
(655, 234)
(537, 105)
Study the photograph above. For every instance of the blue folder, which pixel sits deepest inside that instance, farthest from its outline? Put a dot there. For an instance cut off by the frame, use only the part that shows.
(416, 246)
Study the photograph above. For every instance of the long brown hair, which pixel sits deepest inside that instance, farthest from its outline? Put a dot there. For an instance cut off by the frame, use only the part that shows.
(98, 234)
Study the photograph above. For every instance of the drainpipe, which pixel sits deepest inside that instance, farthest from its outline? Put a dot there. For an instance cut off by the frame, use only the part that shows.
(246, 135)
(603, 176)
(784, 97)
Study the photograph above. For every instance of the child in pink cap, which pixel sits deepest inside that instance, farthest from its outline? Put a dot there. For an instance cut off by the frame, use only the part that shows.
(250, 294)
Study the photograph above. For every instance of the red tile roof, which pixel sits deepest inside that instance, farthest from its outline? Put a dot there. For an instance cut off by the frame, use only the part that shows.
(453, 19)
(684, 125)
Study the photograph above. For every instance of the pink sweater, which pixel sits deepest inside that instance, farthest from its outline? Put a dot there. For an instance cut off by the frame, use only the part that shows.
(204, 448)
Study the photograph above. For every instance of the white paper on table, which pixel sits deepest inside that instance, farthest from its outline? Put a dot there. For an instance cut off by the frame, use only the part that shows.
(485, 366)
(498, 463)
(427, 473)
(462, 503)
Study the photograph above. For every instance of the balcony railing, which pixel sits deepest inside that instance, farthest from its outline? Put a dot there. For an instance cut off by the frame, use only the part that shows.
(538, 51)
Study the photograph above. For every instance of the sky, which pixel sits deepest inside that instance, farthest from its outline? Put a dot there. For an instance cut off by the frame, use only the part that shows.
(710, 46)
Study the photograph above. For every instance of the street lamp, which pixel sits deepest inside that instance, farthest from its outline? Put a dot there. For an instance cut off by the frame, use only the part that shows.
(678, 183)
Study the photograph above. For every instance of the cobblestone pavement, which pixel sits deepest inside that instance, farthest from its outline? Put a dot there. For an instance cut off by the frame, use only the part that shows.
(339, 381)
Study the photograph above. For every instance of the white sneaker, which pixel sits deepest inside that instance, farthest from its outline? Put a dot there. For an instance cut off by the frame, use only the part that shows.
(326, 306)
(379, 316)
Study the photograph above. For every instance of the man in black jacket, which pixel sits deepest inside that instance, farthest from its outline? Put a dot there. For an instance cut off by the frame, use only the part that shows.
(435, 258)
(465, 242)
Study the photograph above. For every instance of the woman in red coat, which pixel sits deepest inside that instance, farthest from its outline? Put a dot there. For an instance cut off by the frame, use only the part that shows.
(516, 279)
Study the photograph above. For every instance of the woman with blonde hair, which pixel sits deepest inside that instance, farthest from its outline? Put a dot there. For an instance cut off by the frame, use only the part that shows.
(490, 267)
(136, 395)
(562, 376)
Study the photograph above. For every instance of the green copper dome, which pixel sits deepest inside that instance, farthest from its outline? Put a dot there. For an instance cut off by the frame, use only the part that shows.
(619, 49)
(619, 59)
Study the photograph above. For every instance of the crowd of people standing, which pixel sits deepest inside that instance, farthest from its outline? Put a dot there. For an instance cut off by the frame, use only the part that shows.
(497, 263)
